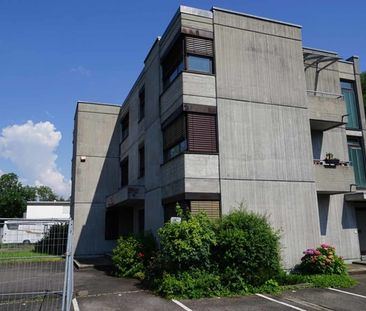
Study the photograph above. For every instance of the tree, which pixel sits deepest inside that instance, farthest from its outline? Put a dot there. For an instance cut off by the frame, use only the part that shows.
(45, 193)
(12, 196)
(363, 84)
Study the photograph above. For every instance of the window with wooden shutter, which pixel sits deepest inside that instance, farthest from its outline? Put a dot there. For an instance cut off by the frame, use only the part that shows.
(211, 208)
(174, 132)
(199, 46)
(174, 138)
(202, 130)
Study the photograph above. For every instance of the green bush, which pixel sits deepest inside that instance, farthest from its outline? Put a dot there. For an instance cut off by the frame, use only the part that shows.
(132, 254)
(322, 260)
(190, 284)
(55, 240)
(247, 250)
(187, 244)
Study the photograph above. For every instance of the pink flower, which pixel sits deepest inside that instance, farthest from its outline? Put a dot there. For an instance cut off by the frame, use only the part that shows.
(316, 252)
(325, 245)
(309, 251)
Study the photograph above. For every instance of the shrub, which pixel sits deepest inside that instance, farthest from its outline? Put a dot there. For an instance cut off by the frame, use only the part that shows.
(186, 244)
(132, 254)
(190, 284)
(247, 250)
(322, 260)
(55, 240)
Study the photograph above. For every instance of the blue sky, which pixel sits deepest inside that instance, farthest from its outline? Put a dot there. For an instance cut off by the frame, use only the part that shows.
(53, 53)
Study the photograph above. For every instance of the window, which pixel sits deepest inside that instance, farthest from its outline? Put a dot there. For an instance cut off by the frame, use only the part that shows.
(199, 64)
(211, 208)
(199, 54)
(124, 126)
(111, 225)
(202, 132)
(124, 172)
(142, 104)
(187, 53)
(142, 161)
(351, 104)
(192, 131)
(356, 156)
(172, 63)
(174, 138)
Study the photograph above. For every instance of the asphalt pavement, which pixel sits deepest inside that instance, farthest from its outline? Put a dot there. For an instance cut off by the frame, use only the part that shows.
(96, 290)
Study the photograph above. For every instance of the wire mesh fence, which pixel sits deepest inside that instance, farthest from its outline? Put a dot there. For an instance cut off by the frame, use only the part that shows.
(36, 264)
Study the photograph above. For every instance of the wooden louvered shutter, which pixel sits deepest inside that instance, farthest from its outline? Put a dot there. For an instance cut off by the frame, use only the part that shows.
(175, 132)
(199, 46)
(202, 132)
(211, 208)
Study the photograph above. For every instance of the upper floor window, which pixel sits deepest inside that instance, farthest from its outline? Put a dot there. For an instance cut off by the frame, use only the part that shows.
(142, 103)
(141, 161)
(124, 126)
(124, 172)
(357, 158)
(188, 53)
(351, 104)
(191, 131)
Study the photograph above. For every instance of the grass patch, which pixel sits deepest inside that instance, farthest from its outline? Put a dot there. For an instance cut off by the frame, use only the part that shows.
(24, 254)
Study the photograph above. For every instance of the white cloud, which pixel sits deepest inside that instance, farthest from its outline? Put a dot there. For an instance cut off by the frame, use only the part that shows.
(81, 71)
(1, 172)
(32, 148)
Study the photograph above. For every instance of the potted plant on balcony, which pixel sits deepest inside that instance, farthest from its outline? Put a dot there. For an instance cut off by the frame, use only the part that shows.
(330, 160)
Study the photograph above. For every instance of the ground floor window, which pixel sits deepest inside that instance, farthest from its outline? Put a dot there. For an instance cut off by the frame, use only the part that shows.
(211, 208)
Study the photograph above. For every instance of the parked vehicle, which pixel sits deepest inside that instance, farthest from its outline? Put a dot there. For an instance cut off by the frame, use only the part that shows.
(23, 232)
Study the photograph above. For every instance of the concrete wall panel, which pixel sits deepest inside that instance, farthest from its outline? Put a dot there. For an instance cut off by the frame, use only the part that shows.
(264, 142)
(258, 67)
(290, 206)
(338, 225)
(249, 23)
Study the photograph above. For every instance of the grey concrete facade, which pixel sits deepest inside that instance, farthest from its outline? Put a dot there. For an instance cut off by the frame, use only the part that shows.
(279, 111)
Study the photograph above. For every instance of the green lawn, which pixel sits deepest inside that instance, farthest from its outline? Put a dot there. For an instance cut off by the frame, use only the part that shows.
(24, 253)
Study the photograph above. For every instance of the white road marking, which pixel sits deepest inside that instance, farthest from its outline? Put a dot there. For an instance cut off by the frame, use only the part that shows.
(75, 305)
(181, 305)
(280, 302)
(348, 293)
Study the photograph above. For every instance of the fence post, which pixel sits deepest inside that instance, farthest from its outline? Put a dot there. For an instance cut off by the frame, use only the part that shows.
(68, 281)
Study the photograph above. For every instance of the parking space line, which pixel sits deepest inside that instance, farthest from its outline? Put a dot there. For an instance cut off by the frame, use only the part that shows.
(181, 305)
(75, 305)
(348, 293)
(280, 302)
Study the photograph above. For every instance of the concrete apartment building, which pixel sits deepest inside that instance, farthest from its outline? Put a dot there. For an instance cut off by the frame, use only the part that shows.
(228, 108)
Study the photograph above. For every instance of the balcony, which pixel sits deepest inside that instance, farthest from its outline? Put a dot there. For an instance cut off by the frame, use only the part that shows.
(333, 178)
(327, 110)
(129, 195)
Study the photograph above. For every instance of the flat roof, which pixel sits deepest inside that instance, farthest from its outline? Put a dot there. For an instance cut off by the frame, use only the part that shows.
(256, 17)
(48, 202)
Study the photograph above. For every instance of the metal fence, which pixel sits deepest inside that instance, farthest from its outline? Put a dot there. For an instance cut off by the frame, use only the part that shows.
(36, 264)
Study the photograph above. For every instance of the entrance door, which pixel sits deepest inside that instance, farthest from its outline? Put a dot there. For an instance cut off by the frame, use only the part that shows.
(361, 225)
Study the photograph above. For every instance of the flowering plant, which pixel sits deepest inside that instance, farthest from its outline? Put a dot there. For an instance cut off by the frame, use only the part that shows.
(322, 260)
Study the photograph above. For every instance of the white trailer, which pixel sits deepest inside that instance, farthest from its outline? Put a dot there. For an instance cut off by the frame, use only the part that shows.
(26, 232)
